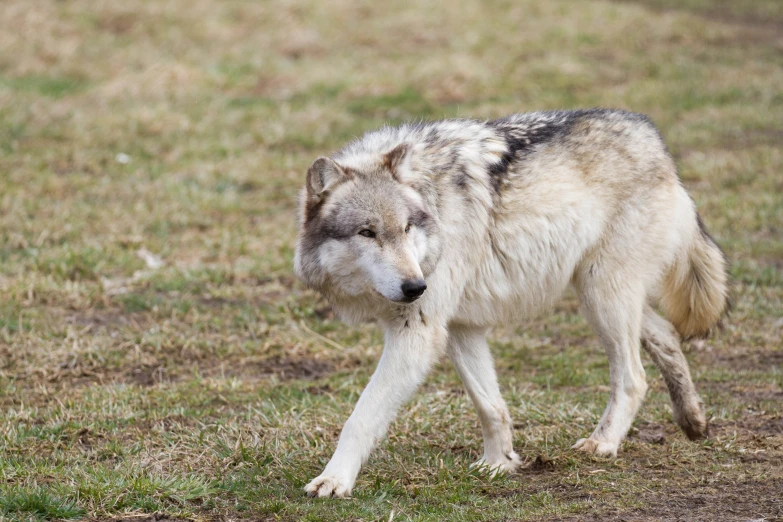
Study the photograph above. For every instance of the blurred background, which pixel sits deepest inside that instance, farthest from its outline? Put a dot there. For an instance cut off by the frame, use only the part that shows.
(157, 355)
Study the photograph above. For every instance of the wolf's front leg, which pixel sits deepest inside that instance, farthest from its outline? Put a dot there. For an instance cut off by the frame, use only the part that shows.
(410, 350)
(468, 350)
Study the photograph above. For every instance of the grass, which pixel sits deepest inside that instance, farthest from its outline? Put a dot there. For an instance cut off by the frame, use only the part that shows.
(213, 387)
(39, 503)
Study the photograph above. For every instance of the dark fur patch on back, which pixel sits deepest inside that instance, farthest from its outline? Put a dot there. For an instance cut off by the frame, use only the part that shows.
(523, 132)
(522, 136)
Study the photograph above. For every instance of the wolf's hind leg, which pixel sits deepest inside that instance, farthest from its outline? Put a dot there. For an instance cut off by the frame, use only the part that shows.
(661, 341)
(615, 313)
(468, 350)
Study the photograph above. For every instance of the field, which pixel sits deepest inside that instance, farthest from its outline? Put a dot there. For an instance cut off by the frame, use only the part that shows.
(158, 359)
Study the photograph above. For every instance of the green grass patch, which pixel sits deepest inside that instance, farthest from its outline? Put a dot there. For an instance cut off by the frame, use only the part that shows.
(49, 86)
(37, 503)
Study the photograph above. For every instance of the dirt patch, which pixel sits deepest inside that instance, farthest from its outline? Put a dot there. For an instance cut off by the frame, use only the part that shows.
(140, 518)
(284, 368)
(773, 426)
(751, 425)
(567, 492)
(745, 358)
(158, 517)
(325, 389)
(76, 374)
(146, 375)
(108, 319)
(163, 518)
(540, 465)
(650, 433)
(747, 501)
(750, 395)
(771, 358)
(288, 369)
(754, 20)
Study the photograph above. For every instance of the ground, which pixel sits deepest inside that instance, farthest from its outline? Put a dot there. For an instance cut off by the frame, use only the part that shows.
(158, 360)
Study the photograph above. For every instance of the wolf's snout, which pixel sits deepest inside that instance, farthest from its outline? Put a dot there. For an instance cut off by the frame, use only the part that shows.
(413, 288)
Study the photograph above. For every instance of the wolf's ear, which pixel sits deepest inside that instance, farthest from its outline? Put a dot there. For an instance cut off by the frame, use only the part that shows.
(394, 158)
(323, 173)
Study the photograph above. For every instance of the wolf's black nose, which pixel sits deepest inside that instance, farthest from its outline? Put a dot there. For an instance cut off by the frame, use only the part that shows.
(413, 288)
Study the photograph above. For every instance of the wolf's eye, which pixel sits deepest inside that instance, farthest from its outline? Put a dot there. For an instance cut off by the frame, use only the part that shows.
(407, 228)
(367, 233)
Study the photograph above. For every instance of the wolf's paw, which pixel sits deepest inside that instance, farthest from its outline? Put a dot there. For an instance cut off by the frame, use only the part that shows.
(324, 487)
(497, 466)
(596, 447)
(692, 420)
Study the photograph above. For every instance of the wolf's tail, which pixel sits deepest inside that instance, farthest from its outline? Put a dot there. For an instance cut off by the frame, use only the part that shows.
(695, 290)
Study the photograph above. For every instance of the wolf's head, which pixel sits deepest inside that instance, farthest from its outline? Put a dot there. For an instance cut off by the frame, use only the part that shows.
(365, 231)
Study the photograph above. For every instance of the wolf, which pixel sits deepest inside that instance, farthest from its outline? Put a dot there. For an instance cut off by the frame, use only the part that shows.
(439, 231)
